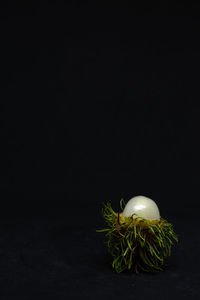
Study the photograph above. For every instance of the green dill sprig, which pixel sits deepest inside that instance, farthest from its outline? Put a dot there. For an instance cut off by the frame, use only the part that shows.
(137, 243)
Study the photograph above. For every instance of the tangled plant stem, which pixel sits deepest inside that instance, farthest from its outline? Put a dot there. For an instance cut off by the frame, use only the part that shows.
(136, 243)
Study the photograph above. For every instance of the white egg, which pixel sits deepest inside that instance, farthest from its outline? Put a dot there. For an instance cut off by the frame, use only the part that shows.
(143, 207)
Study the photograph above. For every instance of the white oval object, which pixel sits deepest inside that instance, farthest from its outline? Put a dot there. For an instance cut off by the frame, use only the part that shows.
(143, 207)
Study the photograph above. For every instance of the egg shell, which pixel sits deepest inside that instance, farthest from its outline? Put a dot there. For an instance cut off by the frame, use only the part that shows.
(141, 206)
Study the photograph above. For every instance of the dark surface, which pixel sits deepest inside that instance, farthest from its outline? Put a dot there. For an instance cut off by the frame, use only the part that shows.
(96, 107)
(44, 258)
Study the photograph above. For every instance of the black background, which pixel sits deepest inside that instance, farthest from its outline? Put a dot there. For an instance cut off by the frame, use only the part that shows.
(96, 105)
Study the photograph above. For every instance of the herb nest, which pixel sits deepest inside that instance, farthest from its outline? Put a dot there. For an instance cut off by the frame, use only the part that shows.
(137, 244)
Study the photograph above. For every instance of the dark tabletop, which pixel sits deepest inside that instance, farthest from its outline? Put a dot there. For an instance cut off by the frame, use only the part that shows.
(42, 258)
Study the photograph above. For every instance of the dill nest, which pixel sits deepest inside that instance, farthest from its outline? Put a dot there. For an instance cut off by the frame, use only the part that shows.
(135, 243)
